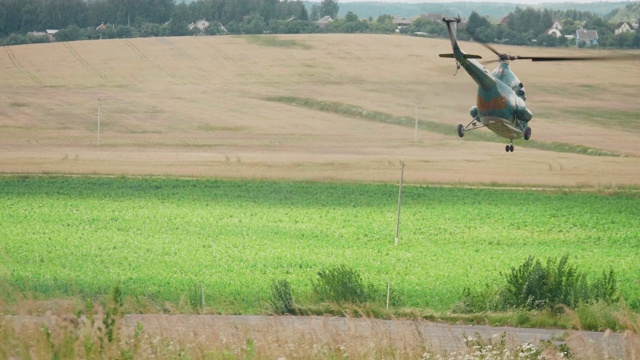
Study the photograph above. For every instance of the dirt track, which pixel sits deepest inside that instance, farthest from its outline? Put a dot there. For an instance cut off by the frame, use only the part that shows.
(365, 332)
(302, 337)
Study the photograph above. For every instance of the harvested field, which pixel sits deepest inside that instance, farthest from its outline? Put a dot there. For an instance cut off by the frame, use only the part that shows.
(203, 107)
(197, 106)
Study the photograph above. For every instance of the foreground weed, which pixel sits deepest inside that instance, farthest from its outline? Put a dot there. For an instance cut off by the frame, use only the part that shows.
(499, 347)
(281, 298)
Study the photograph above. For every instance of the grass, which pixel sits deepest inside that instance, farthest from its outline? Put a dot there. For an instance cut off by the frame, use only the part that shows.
(614, 118)
(433, 126)
(159, 238)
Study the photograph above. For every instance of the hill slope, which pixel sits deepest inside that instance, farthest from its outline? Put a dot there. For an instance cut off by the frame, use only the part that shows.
(199, 106)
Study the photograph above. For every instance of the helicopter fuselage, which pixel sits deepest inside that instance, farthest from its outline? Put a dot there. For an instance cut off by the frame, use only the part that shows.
(500, 104)
(501, 107)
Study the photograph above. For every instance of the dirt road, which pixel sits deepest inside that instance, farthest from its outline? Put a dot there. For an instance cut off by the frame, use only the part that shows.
(357, 335)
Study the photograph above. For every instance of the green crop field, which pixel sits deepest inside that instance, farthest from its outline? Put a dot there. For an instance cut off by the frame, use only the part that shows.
(161, 238)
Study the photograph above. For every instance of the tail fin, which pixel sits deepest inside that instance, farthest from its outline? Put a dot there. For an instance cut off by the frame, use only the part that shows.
(457, 53)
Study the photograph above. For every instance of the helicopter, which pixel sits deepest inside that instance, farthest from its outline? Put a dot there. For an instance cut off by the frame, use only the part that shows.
(501, 96)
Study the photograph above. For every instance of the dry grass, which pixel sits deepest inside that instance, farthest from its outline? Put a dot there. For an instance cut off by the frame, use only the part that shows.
(61, 334)
(195, 106)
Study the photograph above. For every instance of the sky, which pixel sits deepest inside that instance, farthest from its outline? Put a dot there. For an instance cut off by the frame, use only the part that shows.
(506, 1)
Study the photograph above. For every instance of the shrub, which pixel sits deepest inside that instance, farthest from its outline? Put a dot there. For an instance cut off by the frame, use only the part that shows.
(196, 297)
(281, 298)
(341, 285)
(537, 286)
(70, 33)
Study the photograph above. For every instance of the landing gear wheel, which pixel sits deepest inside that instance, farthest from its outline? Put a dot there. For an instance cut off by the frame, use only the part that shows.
(509, 148)
(527, 133)
(506, 148)
(460, 130)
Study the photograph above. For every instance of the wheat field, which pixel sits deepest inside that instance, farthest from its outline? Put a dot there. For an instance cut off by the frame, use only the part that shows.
(198, 107)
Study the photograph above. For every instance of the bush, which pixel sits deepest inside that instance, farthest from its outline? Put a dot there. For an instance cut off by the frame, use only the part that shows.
(281, 298)
(341, 285)
(534, 286)
(16, 39)
(71, 33)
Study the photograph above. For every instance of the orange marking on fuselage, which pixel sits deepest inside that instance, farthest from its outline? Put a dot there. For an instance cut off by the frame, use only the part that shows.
(498, 103)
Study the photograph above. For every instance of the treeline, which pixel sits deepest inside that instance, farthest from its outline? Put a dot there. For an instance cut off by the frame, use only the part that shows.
(529, 27)
(22, 16)
(81, 19)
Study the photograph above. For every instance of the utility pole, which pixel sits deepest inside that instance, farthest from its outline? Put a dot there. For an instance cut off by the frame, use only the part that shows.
(99, 105)
(415, 134)
(397, 224)
(399, 200)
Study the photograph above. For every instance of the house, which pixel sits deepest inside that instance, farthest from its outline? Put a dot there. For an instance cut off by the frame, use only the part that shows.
(401, 22)
(324, 21)
(201, 25)
(101, 27)
(51, 34)
(555, 30)
(503, 21)
(37, 33)
(586, 37)
(623, 27)
(556, 25)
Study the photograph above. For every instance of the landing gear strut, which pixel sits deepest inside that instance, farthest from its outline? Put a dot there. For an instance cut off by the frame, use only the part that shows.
(509, 148)
(473, 125)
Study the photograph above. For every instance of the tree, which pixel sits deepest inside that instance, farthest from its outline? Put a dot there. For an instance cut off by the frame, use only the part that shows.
(329, 8)
(530, 21)
(15, 39)
(71, 33)
(351, 17)
(57, 14)
(480, 28)
(149, 30)
(303, 14)
(353, 25)
(124, 32)
(383, 25)
(315, 13)
(158, 11)
(180, 20)
(213, 28)
(268, 9)
(254, 24)
(624, 40)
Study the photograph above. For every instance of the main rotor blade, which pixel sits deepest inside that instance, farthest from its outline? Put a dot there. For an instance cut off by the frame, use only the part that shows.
(580, 58)
(490, 48)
